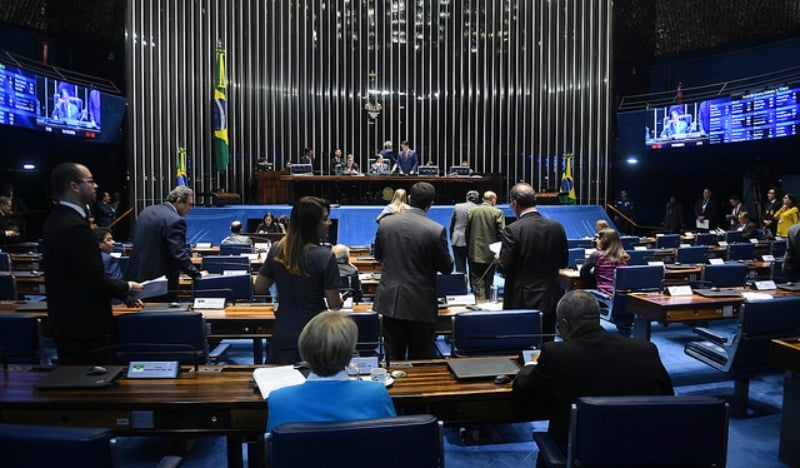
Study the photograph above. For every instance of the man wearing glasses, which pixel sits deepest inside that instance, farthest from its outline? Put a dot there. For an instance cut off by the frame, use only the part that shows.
(159, 242)
(78, 291)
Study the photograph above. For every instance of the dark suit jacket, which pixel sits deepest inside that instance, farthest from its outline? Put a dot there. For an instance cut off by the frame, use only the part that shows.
(412, 248)
(592, 363)
(749, 231)
(712, 212)
(159, 246)
(78, 291)
(408, 165)
(533, 250)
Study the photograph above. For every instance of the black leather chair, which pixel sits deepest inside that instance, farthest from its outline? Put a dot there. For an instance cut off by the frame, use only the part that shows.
(636, 431)
(49, 446)
(20, 339)
(482, 333)
(745, 354)
(164, 336)
(401, 442)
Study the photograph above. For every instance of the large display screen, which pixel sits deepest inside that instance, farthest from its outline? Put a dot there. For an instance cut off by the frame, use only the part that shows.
(32, 101)
(771, 113)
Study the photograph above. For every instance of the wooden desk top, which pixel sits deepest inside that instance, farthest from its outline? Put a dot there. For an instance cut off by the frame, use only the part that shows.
(224, 400)
(785, 353)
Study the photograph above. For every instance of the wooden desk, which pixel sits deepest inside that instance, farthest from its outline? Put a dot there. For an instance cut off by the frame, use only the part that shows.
(650, 307)
(785, 353)
(222, 400)
(366, 264)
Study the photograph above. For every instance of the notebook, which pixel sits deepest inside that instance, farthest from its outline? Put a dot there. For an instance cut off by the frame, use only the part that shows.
(707, 292)
(476, 368)
(78, 377)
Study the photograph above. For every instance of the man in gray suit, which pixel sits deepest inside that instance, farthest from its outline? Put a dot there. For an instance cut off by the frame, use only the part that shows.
(533, 250)
(458, 224)
(412, 249)
(485, 225)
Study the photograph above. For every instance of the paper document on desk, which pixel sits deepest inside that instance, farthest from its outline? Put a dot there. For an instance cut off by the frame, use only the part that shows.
(154, 287)
(495, 247)
(701, 224)
(273, 378)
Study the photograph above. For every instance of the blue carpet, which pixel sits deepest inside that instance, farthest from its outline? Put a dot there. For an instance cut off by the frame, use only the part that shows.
(753, 440)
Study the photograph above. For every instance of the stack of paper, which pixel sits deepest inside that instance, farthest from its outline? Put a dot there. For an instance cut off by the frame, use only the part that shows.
(273, 378)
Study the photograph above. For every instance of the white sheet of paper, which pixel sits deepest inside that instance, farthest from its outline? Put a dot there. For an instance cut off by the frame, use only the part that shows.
(495, 247)
(273, 378)
(154, 287)
(701, 224)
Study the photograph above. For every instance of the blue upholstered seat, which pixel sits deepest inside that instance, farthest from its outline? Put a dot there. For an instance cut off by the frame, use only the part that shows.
(495, 333)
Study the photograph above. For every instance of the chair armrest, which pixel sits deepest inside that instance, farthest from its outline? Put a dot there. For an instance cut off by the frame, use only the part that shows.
(549, 451)
(215, 354)
(710, 335)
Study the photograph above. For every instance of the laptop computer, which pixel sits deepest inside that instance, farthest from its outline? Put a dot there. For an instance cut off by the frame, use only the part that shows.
(711, 292)
(79, 377)
(476, 368)
(784, 286)
(460, 170)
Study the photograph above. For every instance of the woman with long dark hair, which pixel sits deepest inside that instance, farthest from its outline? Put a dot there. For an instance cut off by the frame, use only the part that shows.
(602, 263)
(269, 225)
(305, 273)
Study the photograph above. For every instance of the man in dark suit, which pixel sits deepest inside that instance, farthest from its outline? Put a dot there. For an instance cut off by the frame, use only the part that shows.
(771, 206)
(589, 362)
(707, 209)
(407, 160)
(159, 241)
(78, 291)
(412, 249)
(533, 250)
(7, 230)
(746, 227)
(458, 227)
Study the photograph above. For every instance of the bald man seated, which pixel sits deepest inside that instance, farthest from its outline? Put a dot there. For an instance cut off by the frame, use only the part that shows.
(236, 236)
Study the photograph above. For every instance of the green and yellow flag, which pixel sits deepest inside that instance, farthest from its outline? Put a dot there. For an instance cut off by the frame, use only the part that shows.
(567, 196)
(221, 151)
(180, 170)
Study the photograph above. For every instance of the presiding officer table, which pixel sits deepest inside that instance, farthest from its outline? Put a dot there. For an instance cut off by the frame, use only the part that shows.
(224, 401)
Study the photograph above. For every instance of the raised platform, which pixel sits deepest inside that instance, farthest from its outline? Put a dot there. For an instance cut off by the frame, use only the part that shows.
(357, 226)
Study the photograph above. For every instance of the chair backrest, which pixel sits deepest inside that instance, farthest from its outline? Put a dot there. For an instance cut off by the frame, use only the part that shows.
(369, 332)
(8, 288)
(640, 257)
(638, 278)
(241, 285)
(5, 262)
(728, 275)
(692, 254)
(705, 238)
(575, 256)
(733, 236)
(161, 336)
(582, 243)
(760, 322)
(454, 284)
(776, 271)
(629, 242)
(668, 241)
(368, 442)
(45, 446)
(21, 338)
(235, 249)
(777, 248)
(495, 333)
(648, 431)
(216, 264)
(741, 251)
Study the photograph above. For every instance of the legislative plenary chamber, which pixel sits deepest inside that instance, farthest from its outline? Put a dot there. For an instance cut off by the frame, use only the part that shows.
(386, 233)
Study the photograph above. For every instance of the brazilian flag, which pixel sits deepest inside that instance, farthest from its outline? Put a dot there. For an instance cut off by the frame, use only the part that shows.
(567, 196)
(221, 151)
(180, 171)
